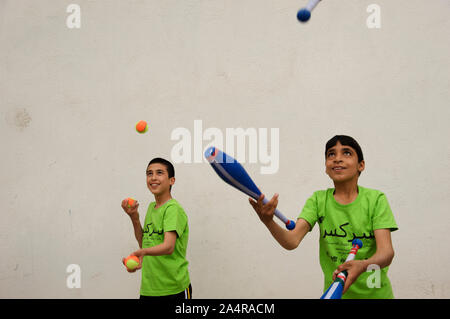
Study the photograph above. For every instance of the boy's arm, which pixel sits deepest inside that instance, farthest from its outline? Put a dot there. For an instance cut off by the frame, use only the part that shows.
(288, 239)
(383, 257)
(132, 212)
(166, 248)
(385, 252)
(137, 228)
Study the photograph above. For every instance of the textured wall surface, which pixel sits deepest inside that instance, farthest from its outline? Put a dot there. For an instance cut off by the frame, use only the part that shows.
(70, 97)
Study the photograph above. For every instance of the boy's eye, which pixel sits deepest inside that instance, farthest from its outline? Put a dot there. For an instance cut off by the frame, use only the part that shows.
(330, 154)
(160, 173)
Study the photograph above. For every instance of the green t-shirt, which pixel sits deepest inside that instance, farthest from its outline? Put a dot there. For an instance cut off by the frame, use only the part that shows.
(167, 274)
(339, 225)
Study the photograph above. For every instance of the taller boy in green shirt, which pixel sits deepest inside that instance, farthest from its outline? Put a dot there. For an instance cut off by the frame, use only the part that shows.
(163, 239)
(345, 212)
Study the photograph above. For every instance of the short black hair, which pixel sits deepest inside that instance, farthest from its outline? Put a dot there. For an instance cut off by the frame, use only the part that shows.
(167, 164)
(347, 141)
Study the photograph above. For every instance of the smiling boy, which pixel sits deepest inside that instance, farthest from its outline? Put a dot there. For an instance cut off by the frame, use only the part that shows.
(345, 212)
(163, 239)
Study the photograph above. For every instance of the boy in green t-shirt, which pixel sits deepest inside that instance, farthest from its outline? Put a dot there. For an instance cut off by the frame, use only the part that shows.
(163, 239)
(345, 212)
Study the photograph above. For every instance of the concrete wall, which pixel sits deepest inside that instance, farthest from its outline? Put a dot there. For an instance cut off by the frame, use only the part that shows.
(70, 97)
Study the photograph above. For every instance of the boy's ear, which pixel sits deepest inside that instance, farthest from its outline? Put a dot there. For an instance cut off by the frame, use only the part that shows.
(362, 166)
(172, 180)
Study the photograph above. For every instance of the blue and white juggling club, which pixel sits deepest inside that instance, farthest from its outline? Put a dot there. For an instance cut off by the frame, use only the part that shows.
(304, 14)
(232, 172)
(336, 288)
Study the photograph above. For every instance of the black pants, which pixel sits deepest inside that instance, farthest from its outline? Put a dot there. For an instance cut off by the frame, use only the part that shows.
(185, 294)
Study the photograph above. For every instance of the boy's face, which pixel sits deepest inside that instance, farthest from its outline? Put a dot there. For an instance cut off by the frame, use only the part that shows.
(342, 163)
(158, 181)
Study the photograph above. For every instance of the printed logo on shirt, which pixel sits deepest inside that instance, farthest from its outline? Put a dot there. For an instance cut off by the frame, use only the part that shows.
(342, 233)
(149, 229)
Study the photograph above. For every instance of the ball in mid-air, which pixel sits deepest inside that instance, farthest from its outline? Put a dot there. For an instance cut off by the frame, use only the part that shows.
(303, 15)
(141, 127)
(131, 262)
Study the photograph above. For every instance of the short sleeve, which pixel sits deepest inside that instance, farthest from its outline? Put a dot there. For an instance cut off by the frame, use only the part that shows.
(382, 215)
(174, 220)
(310, 211)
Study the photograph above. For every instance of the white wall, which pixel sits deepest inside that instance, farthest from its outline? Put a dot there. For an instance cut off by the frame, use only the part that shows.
(69, 99)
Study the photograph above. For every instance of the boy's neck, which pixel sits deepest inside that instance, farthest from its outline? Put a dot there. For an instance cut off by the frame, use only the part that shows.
(345, 193)
(162, 199)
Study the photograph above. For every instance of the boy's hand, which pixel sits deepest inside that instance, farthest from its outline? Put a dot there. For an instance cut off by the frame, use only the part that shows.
(354, 269)
(140, 262)
(132, 210)
(265, 211)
